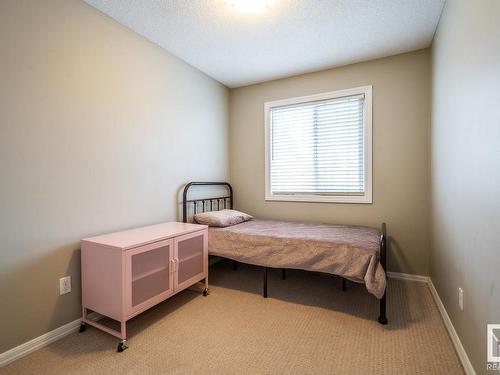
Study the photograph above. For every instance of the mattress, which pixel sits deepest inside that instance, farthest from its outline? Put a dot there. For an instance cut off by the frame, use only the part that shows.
(352, 252)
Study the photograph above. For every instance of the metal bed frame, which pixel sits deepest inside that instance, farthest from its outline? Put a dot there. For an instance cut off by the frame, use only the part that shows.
(226, 201)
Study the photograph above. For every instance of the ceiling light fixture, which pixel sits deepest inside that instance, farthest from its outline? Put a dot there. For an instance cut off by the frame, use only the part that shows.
(250, 6)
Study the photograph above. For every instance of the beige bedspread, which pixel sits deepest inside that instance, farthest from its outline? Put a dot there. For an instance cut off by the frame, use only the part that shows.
(348, 251)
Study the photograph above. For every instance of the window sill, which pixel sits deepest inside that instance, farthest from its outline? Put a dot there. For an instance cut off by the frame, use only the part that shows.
(363, 199)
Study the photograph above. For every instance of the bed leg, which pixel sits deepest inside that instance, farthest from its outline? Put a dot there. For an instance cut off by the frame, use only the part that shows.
(235, 265)
(265, 283)
(382, 319)
(344, 284)
(283, 274)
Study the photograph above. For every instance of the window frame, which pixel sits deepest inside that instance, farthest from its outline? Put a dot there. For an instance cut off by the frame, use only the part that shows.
(366, 197)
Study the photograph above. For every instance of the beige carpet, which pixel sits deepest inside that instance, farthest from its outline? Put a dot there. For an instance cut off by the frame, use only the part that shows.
(306, 326)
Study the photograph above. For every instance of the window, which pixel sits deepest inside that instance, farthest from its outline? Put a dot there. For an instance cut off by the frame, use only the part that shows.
(318, 147)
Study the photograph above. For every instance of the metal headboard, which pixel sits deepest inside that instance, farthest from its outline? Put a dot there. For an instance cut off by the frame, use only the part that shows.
(202, 204)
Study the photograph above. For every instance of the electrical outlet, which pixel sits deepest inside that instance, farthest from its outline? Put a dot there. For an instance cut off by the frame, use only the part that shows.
(64, 285)
(461, 298)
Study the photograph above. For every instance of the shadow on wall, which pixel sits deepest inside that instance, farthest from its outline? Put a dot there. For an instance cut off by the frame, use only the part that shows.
(29, 289)
(73, 300)
(396, 259)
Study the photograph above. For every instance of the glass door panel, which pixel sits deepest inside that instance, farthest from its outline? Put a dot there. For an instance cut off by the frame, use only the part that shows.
(190, 255)
(150, 274)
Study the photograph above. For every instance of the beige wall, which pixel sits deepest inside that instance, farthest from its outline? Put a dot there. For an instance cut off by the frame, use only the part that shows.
(465, 169)
(98, 130)
(401, 89)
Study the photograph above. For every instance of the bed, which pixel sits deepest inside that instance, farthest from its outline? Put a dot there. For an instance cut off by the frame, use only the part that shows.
(355, 253)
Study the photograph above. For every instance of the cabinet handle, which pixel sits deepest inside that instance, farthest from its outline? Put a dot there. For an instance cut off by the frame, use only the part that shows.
(176, 264)
(172, 265)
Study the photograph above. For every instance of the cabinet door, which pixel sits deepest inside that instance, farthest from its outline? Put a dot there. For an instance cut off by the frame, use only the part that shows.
(191, 257)
(148, 275)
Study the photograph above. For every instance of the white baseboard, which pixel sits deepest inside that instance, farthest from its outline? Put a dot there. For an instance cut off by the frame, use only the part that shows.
(469, 370)
(38, 342)
(49, 337)
(407, 276)
(43, 340)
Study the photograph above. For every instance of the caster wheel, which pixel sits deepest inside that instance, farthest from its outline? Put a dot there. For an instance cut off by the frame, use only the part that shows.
(122, 346)
(83, 327)
(382, 320)
(205, 292)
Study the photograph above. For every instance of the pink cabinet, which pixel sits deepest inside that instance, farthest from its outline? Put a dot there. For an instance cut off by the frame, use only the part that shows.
(127, 272)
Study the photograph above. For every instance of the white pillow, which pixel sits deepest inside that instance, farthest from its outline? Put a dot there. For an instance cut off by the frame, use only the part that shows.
(222, 218)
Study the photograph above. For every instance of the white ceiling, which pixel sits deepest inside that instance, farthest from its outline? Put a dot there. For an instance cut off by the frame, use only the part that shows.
(287, 37)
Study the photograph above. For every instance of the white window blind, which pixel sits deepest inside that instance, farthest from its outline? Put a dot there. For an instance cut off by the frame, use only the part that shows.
(318, 147)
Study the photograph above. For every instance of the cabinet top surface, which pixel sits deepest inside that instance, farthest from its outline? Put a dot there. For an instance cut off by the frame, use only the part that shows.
(141, 236)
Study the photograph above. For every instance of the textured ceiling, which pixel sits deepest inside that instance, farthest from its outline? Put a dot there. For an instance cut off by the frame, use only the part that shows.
(286, 38)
